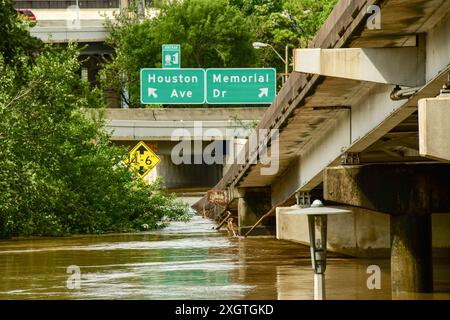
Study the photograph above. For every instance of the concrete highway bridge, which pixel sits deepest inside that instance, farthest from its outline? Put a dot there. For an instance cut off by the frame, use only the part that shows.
(218, 131)
(59, 22)
(361, 123)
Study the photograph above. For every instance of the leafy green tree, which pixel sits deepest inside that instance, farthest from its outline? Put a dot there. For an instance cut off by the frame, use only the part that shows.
(291, 23)
(15, 40)
(211, 33)
(307, 17)
(248, 6)
(59, 173)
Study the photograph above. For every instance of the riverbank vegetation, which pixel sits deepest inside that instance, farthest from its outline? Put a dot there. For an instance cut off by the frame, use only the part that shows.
(59, 173)
(212, 34)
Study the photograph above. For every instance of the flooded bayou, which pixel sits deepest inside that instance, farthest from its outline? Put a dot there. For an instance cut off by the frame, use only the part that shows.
(185, 261)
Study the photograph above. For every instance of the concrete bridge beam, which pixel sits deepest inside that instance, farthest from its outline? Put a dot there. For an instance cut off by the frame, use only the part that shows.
(434, 132)
(395, 189)
(403, 66)
(409, 193)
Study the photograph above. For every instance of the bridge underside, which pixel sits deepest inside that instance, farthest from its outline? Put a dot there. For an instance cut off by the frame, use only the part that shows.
(193, 177)
(192, 143)
(345, 115)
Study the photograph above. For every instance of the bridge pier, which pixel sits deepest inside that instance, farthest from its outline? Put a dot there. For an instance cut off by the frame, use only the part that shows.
(409, 193)
(252, 204)
(411, 258)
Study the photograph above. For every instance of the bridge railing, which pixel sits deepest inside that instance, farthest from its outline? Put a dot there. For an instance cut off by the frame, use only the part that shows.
(300, 85)
(62, 4)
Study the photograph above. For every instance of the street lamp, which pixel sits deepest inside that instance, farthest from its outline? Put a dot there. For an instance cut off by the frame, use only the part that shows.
(259, 45)
(317, 224)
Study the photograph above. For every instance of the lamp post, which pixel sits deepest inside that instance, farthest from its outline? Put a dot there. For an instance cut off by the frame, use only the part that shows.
(259, 45)
(317, 224)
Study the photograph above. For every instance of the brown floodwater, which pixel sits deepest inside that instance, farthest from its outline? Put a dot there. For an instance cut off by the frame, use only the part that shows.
(185, 261)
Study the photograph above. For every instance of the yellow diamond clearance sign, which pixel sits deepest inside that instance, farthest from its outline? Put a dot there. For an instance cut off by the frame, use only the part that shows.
(142, 159)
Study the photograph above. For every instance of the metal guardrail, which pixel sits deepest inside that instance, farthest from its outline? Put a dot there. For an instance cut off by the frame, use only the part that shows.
(62, 4)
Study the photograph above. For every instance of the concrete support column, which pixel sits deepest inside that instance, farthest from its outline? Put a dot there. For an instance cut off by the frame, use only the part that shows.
(409, 193)
(252, 204)
(123, 4)
(411, 261)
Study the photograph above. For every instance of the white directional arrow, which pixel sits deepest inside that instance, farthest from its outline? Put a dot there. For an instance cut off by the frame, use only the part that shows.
(152, 92)
(263, 92)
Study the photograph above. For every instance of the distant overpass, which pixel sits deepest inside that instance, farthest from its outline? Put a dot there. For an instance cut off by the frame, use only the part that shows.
(159, 124)
(60, 31)
(58, 21)
(160, 128)
(60, 25)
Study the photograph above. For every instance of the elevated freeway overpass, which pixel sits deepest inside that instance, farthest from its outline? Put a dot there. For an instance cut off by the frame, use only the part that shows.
(59, 22)
(63, 23)
(349, 131)
(63, 31)
(201, 131)
(160, 124)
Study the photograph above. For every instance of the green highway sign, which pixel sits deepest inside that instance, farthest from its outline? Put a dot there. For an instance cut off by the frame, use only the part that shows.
(240, 85)
(172, 86)
(171, 56)
(216, 86)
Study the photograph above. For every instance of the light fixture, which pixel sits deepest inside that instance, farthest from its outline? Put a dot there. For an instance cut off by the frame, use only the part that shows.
(317, 225)
(259, 45)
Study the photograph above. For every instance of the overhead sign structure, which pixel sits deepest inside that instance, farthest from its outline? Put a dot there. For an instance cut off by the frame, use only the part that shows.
(240, 85)
(142, 159)
(172, 86)
(215, 86)
(171, 56)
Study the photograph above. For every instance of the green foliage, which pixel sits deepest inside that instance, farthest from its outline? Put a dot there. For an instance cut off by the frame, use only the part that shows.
(211, 34)
(14, 37)
(291, 23)
(307, 16)
(59, 173)
(248, 6)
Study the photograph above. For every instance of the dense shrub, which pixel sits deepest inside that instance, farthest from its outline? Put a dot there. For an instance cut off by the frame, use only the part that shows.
(59, 173)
